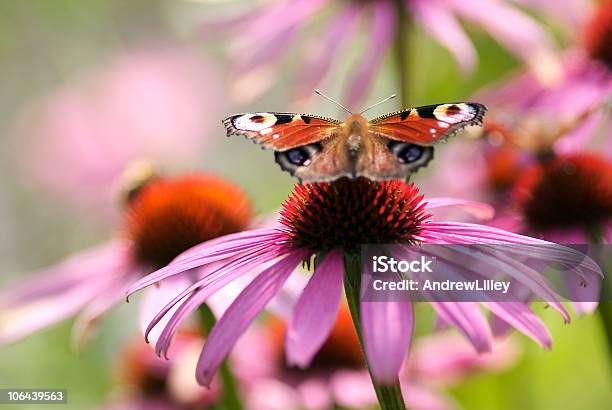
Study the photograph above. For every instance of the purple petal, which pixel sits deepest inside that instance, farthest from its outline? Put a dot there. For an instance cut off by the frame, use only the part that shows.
(241, 313)
(424, 397)
(469, 319)
(519, 316)
(210, 282)
(353, 389)
(316, 311)
(113, 255)
(583, 289)
(384, 21)
(212, 251)
(318, 64)
(154, 299)
(268, 36)
(387, 332)
(521, 34)
(479, 209)
(86, 322)
(59, 292)
(444, 27)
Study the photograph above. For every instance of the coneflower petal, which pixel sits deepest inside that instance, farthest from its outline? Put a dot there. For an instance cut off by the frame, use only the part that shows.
(316, 310)
(387, 333)
(519, 316)
(479, 209)
(154, 299)
(201, 292)
(318, 65)
(212, 251)
(384, 24)
(101, 303)
(469, 319)
(61, 291)
(516, 30)
(212, 280)
(241, 313)
(444, 27)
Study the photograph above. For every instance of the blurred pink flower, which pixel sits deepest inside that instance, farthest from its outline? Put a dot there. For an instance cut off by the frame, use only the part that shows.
(144, 381)
(563, 198)
(567, 198)
(571, 13)
(573, 112)
(152, 104)
(338, 376)
(164, 217)
(337, 219)
(265, 34)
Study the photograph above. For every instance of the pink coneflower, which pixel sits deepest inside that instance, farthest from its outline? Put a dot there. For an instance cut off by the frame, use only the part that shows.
(337, 375)
(144, 381)
(571, 113)
(164, 217)
(331, 221)
(154, 104)
(266, 34)
(569, 198)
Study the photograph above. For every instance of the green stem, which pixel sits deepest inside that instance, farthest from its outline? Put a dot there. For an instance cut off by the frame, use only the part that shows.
(401, 49)
(389, 396)
(230, 400)
(605, 306)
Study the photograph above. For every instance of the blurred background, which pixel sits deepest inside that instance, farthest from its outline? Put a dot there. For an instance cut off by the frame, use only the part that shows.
(88, 87)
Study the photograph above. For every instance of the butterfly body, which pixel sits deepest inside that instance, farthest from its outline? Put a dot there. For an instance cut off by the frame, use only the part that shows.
(393, 146)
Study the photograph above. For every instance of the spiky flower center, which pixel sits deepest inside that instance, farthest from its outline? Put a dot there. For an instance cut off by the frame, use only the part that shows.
(573, 191)
(170, 215)
(345, 214)
(598, 34)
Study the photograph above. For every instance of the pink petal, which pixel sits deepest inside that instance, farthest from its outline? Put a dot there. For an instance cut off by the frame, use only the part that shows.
(387, 332)
(519, 316)
(112, 255)
(524, 274)
(479, 209)
(423, 397)
(154, 299)
(199, 291)
(447, 358)
(61, 291)
(583, 291)
(469, 319)
(86, 322)
(241, 313)
(521, 34)
(353, 389)
(316, 311)
(318, 64)
(212, 251)
(384, 21)
(435, 17)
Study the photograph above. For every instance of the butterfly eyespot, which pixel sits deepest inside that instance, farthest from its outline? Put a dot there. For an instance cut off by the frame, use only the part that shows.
(295, 158)
(406, 153)
(298, 156)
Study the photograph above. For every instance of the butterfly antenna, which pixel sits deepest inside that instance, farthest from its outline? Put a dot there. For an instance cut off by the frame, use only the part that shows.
(334, 101)
(392, 96)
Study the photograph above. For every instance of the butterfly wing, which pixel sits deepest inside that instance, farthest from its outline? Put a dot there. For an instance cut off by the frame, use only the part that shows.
(404, 140)
(298, 140)
(429, 124)
(280, 131)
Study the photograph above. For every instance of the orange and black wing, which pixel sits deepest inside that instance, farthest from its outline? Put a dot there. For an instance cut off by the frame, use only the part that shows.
(281, 131)
(429, 124)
